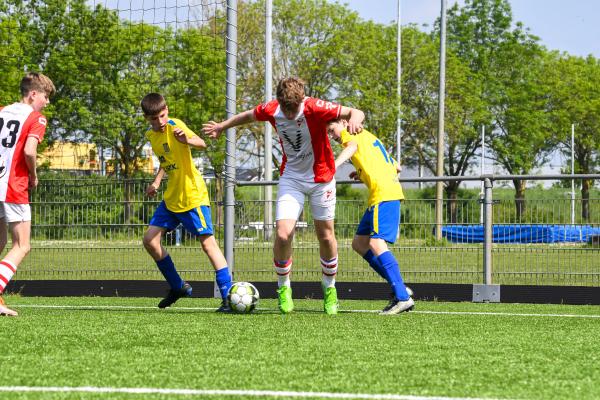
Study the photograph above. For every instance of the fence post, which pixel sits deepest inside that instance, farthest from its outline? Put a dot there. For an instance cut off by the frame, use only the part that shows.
(487, 292)
(487, 228)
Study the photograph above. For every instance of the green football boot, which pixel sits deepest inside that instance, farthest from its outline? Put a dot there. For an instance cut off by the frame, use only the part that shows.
(284, 295)
(330, 300)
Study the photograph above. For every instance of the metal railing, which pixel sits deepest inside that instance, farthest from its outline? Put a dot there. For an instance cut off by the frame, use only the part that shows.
(92, 229)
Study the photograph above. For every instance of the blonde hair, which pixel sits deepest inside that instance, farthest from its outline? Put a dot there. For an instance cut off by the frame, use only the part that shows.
(290, 93)
(36, 81)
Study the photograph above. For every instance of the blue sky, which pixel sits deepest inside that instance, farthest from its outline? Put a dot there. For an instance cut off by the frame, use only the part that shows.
(566, 25)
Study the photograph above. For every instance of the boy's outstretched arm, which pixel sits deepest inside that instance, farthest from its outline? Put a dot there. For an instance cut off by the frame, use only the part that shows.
(213, 129)
(346, 154)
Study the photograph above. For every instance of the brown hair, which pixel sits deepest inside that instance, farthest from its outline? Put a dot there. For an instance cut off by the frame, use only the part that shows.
(153, 103)
(290, 93)
(36, 81)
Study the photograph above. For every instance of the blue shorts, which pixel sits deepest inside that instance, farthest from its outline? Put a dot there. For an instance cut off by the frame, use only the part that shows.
(197, 221)
(381, 221)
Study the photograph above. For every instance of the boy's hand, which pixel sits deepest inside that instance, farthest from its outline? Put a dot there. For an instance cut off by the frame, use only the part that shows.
(212, 129)
(180, 135)
(152, 189)
(354, 127)
(33, 181)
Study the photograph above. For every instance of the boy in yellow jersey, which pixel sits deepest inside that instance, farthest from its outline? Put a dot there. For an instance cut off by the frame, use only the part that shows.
(379, 224)
(185, 200)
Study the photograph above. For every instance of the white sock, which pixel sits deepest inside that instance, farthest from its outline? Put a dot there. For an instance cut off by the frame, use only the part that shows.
(283, 269)
(329, 269)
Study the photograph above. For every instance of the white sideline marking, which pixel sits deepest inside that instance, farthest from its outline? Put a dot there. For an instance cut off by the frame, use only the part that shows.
(92, 307)
(509, 314)
(253, 393)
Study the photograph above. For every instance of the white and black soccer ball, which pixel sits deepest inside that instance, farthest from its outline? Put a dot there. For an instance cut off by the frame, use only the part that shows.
(243, 297)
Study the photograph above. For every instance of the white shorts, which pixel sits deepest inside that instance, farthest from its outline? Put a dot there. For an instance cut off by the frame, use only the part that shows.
(12, 212)
(291, 194)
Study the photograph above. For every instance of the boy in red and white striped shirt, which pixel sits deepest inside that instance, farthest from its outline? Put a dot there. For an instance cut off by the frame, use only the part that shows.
(22, 128)
(307, 170)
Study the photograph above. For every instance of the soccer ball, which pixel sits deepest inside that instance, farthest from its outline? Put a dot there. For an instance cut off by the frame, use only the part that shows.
(243, 297)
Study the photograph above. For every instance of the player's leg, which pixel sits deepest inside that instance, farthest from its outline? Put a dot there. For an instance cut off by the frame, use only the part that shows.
(222, 273)
(386, 217)
(198, 221)
(19, 226)
(290, 202)
(360, 243)
(162, 221)
(322, 201)
(3, 231)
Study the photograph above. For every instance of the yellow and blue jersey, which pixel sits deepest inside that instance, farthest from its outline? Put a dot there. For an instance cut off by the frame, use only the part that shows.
(185, 187)
(375, 167)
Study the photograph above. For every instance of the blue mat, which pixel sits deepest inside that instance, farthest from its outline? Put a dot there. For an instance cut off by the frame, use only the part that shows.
(504, 233)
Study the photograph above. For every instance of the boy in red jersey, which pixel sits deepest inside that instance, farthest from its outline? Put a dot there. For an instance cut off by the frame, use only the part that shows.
(307, 169)
(22, 128)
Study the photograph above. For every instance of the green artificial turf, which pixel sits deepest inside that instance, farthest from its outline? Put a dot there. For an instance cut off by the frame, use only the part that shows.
(438, 350)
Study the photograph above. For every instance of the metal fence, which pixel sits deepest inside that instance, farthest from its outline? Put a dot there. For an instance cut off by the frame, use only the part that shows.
(92, 229)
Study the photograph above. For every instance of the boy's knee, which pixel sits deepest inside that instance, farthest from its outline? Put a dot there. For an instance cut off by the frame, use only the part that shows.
(327, 237)
(283, 236)
(150, 242)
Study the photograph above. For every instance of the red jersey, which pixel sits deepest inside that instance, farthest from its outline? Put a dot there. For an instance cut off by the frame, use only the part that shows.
(17, 123)
(307, 154)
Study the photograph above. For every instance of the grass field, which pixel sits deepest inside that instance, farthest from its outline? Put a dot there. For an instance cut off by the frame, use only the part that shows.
(441, 351)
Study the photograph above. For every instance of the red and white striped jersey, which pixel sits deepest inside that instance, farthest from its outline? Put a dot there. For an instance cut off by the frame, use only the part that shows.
(307, 154)
(17, 123)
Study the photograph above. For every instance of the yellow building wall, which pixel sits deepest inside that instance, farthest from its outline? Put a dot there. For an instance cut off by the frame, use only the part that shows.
(82, 157)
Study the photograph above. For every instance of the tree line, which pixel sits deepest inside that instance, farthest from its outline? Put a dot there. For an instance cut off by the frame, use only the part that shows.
(498, 76)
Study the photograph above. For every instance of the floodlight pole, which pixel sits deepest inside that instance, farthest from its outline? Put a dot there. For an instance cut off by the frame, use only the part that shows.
(230, 107)
(399, 87)
(268, 225)
(439, 192)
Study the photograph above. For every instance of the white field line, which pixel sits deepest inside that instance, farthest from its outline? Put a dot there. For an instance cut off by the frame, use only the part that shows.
(108, 307)
(245, 393)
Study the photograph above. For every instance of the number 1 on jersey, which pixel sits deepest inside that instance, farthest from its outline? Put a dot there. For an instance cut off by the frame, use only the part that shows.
(377, 143)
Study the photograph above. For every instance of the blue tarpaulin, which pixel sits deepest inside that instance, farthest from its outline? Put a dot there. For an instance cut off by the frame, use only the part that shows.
(505, 233)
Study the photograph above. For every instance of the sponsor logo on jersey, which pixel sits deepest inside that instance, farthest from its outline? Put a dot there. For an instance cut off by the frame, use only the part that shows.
(42, 121)
(166, 147)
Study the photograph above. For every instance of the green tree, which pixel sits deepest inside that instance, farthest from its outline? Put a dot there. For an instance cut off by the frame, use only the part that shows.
(311, 40)
(575, 99)
(510, 64)
(465, 111)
